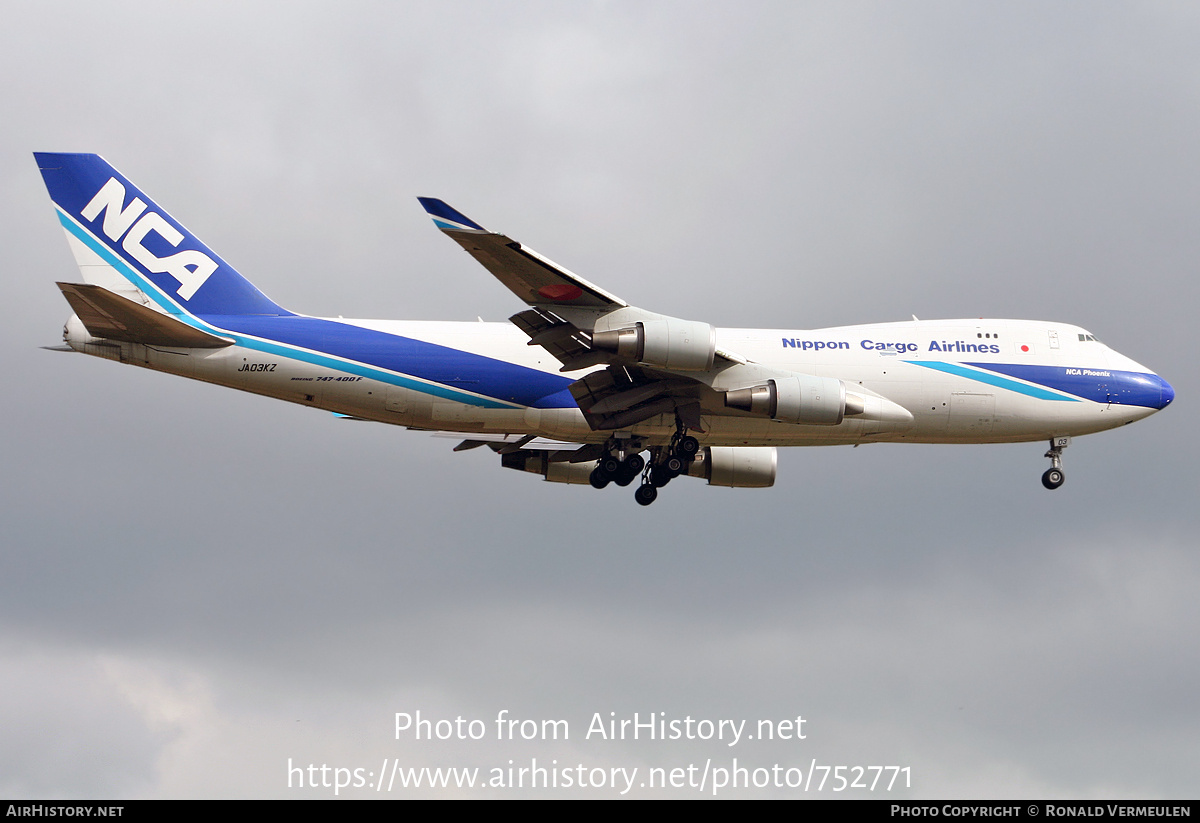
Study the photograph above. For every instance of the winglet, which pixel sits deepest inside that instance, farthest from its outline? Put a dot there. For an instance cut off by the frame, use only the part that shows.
(446, 218)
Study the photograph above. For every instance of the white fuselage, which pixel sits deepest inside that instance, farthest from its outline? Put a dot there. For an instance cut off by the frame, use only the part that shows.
(1050, 379)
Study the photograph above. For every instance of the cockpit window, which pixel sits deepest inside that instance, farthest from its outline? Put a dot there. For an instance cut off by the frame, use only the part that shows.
(1088, 337)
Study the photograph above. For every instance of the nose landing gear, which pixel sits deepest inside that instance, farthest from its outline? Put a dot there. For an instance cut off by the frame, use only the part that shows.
(1054, 476)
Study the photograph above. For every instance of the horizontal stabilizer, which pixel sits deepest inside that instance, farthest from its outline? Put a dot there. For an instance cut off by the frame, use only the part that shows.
(112, 317)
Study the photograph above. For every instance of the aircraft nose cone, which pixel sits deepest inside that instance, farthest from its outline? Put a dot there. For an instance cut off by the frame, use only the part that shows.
(1168, 394)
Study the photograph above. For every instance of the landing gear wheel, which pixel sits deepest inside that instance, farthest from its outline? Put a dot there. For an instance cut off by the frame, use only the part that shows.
(675, 466)
(598, 478)
(687, 447)
(1053, 478)
(660, 476)
(645, 494)
(624, 477)
(610, 467)
(634, 463)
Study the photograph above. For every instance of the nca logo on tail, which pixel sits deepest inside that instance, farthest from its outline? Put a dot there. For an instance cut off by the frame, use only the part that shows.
(191, 268)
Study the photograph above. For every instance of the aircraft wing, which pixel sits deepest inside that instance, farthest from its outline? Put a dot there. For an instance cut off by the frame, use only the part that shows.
(547, 287)
(531, 277)
(655, 364)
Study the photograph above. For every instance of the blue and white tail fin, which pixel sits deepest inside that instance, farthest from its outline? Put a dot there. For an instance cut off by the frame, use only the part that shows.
(124, 242)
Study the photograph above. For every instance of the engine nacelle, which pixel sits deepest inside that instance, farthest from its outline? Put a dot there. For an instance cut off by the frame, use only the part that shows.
(738, 467)
(539, 462)
(669, 343)
(801, 398)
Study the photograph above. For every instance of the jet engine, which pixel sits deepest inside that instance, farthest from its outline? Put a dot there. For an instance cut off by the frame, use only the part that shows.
(801, 398)
(738, 467)
(669, 343)
(537, 461)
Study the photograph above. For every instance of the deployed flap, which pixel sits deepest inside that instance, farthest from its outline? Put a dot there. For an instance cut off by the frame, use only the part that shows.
(531, 277)
(619, 397)
(113, 317)
(475, 439)
(555, 451)
(564, 340)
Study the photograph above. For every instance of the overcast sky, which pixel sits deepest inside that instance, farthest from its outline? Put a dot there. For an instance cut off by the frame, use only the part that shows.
(197, 585)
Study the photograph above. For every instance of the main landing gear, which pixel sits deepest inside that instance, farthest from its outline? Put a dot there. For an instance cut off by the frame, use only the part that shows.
(1054, 476)
(621, 465)
(612, 469)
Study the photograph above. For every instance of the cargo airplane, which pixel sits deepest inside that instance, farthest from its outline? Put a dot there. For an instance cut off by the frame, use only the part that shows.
(580, 384)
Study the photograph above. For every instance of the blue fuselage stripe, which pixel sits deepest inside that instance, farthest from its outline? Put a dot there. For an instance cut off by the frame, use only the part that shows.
(992, 380)
(1124, 388)
(456, 375)
(476, 380)
(1067, 383)
(443, 365)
